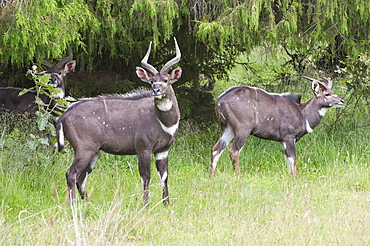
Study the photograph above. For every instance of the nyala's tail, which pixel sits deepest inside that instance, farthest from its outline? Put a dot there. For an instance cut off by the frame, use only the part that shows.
(60, 135)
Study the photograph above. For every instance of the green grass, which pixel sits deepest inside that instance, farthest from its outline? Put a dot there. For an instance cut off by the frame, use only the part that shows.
(328, 204)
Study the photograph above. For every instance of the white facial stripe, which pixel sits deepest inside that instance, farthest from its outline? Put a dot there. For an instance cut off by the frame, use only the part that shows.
(308, 127)
(170, 130)
(322, 111)
(164, 105)
(161, 155)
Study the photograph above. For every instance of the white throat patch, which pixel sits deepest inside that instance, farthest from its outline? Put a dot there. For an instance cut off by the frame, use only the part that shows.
(322, 111)
(164, 105)
(60, 94)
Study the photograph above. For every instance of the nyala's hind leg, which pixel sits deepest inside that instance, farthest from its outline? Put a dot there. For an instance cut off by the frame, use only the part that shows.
(82, 178)
(226, 136)
(235, 149)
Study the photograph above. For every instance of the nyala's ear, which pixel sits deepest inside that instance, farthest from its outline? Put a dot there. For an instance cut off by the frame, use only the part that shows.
(176, 74)
(69, 66)
(317, 87)
(143, 75)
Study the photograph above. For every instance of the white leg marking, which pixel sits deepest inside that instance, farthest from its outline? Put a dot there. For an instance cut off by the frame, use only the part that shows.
(289, 162)
(284, 145)
(241, 149)
(94, 160)
(163, 179)
(216, 158)
(227, 135)
(161, 155)
(83, 185)
(308, 127)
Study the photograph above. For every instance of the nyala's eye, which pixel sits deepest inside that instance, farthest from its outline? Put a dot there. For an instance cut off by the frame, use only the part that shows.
(165, 80)
(327, 94)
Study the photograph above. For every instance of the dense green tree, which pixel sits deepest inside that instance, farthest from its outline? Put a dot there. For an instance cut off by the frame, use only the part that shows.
(114, 34)
(104, 32)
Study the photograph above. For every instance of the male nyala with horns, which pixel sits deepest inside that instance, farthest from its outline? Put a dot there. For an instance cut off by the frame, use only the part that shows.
(141, 123)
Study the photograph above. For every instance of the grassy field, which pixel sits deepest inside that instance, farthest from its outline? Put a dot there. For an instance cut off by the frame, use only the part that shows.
(328, 205)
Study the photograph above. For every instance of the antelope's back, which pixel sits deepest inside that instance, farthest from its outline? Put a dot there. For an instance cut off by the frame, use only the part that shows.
(10, 101)
(259, 112)
(242, 103)
(117, 125)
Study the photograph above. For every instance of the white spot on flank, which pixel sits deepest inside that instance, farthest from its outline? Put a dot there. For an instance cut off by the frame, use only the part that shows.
(161, 155)
(322, 111)
(171, 129)
(308, 127)
(164, 105)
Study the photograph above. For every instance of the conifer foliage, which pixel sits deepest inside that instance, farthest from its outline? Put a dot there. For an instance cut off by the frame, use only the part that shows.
(113, 34)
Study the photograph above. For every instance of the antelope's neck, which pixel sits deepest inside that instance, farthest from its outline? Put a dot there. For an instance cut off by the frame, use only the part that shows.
(168, 113)
(313, 112)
